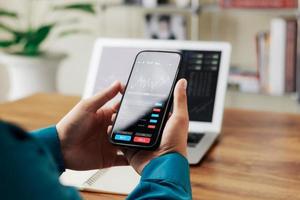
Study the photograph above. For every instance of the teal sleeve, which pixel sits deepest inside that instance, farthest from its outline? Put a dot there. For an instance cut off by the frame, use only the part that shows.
(165, 177)
(49, 137)
(27, 168)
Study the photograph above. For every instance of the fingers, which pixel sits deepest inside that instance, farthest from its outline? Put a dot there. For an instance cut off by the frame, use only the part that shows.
(113, 117)
(116, 106)
(180, 108)
(109, 129)
(97, 101)
(122, 88)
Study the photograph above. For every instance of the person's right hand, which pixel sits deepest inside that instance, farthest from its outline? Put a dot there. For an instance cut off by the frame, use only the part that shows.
(174, 138)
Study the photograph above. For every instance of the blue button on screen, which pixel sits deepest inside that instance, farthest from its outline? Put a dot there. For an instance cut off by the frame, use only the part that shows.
(154, 115)
(158, 104)
(153, 121)
(122, 137)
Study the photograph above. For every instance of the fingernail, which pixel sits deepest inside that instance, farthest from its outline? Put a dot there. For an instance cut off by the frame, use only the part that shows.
(184, 84)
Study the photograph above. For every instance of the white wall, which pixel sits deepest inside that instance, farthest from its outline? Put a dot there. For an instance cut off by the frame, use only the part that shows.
(237, 27)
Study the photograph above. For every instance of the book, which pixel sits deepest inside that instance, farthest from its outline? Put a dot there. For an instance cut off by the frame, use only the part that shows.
(291, 55)
(298, 60)
(245, 81)
(259, 3)
(277, 56)
(263, 50)
(274, 48)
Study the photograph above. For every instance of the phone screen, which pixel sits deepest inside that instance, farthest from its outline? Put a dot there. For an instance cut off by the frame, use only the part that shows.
(146, 101)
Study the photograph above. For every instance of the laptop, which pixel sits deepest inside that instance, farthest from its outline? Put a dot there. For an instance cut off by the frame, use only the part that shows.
(205, 66)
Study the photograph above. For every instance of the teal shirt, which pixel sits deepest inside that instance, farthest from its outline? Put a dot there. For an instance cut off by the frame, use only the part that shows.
(30, 165)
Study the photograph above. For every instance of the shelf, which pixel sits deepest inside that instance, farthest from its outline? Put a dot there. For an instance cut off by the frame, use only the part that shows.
(276, 11)
(261, 102)
(158, 9)
(169, 9)
(210, 7)
(270, 11)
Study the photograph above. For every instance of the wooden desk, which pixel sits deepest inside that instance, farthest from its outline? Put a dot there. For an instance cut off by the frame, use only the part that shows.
(257, 157)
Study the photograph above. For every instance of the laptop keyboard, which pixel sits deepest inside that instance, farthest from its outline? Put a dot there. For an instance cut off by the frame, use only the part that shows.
(194, 139)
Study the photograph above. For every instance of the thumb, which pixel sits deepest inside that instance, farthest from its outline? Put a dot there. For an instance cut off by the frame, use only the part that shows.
(97, 101)
(180, 108)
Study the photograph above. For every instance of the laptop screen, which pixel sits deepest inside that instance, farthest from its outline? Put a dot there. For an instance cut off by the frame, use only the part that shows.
(200, 68)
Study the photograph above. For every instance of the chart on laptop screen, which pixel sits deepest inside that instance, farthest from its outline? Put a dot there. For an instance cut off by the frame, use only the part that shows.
(200, 68)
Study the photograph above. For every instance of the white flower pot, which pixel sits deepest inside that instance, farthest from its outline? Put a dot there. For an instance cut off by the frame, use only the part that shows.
(29, 75)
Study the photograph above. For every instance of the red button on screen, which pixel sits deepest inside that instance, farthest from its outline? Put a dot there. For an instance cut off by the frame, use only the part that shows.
(142, 139)
(156, 110)
(151, 126)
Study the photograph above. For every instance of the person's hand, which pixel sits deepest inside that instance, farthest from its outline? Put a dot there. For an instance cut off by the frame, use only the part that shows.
(174, 138)
(83, 133)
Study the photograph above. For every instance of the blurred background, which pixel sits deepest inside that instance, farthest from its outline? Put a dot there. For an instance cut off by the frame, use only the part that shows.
(46, 45)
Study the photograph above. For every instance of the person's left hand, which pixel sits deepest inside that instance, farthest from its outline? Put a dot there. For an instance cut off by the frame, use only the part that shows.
(83, 133)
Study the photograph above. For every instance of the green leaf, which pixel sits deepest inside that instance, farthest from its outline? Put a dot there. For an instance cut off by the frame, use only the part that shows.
(6, 43)
(35, 38)
(7, 13)
(30, 40)
(85, 7)
(6, 28)
(42, 33)
(73, 31)
(17, 36)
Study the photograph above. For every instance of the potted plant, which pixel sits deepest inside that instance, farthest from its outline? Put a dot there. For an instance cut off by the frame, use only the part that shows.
(31, 68)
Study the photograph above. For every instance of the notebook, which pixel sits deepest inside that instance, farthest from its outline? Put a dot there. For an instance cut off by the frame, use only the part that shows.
(115, 180)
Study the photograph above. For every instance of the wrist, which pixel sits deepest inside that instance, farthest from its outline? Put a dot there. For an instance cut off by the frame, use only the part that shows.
(142, 165)
(63, 146)
(162, 158)
(181, 149)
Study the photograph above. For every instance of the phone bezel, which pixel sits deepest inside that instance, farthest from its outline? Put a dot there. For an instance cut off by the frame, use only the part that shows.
(156, 143)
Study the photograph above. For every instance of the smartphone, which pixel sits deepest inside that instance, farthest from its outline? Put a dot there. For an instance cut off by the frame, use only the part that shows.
(147, 100)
